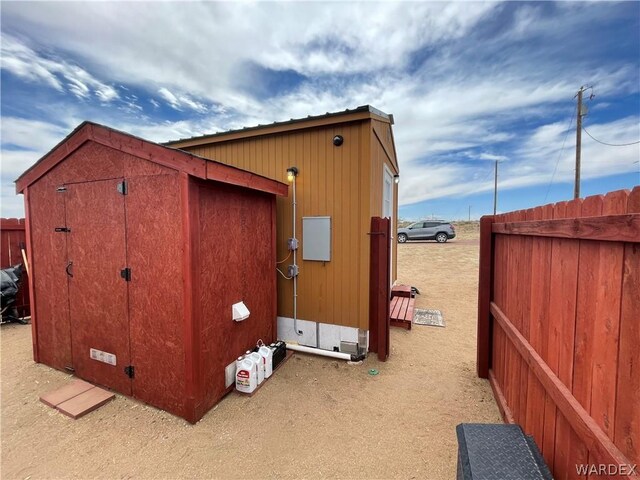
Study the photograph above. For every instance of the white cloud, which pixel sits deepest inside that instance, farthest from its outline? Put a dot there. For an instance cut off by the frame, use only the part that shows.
(24, 62)
(457, 104)
(180, 101)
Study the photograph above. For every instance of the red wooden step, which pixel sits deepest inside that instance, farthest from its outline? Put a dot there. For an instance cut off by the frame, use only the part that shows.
(401, 312)
(401, 291)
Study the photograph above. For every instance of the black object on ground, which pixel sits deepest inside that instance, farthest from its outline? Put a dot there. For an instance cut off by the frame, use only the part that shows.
(279, 353)
(490, 452)
(9, 286)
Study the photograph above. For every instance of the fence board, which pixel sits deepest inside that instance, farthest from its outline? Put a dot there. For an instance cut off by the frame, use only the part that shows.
(627, 414)
(538, 313)
(564, 302)
(627, 420)
(607, 321)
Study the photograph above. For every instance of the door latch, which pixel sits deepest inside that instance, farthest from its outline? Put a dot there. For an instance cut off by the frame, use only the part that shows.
(126, 274)
(62, 229)
(122, 187)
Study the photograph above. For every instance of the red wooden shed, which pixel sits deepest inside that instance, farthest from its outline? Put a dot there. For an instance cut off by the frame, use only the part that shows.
(137, 253)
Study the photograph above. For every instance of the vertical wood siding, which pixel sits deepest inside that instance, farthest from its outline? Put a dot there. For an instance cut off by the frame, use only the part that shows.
(229, 272)
(563, 317)
(335, 181)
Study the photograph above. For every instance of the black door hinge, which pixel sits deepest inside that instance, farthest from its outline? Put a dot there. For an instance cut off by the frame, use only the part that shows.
(61, 189)
(129, 371)
(62, 229)
(122, 187)
(126, 274)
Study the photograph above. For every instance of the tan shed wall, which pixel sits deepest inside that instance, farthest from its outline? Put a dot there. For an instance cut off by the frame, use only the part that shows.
(333, 181)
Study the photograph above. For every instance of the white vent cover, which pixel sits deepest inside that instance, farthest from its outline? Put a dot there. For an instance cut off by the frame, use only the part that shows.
(239, 311)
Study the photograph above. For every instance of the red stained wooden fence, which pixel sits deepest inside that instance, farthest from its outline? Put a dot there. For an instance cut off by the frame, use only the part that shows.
(12, 239)
(559, 327)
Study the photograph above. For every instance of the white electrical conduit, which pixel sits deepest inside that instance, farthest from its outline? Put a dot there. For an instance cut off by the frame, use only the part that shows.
(317, 351)
(295, 263)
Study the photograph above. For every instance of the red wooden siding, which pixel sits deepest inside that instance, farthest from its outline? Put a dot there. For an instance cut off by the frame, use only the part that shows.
(12, 241)
(236, 263)
(558, 329)
(156, 290)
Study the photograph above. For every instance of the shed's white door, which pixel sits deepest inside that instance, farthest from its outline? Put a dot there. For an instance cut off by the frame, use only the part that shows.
(387, 209)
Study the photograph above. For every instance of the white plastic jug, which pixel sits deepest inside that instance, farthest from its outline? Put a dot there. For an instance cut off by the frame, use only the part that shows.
(267, 356)
(257, 358)
(246, 377)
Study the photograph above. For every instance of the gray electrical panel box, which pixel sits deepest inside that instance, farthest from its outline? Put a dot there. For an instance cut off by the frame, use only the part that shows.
(316, 238)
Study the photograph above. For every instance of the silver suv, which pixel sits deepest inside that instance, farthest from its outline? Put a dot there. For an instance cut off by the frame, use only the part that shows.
(437, 230)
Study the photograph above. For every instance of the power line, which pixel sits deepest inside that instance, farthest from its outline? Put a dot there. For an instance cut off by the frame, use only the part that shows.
(560, 154)
(610, 144)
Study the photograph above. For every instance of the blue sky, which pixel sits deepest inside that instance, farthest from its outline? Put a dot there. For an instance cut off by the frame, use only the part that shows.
(467, 83)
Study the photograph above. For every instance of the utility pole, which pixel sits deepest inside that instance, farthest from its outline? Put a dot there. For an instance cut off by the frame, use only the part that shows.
(495, 189)
(576, 187)
(469, 212)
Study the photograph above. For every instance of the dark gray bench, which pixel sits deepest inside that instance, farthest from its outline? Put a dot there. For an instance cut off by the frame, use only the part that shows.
(498, 452)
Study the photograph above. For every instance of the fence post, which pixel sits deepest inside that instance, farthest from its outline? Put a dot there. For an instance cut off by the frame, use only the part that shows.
(485, 289)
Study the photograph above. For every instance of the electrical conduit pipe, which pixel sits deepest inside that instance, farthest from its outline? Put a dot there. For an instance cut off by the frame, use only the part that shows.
(325, 353)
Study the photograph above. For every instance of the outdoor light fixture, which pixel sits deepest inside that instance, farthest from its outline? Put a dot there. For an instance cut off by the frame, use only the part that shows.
(338, 140)
(396, 178)
(292, 172)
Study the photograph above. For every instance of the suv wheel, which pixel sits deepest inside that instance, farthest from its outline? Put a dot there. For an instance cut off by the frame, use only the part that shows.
(441, 237)
(402, 237)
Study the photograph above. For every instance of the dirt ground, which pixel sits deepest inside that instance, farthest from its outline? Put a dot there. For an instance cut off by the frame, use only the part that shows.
(316, 418)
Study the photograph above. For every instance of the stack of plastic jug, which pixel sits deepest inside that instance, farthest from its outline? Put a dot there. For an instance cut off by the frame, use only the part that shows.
(246, 375)
(267, 356)
(257, 358)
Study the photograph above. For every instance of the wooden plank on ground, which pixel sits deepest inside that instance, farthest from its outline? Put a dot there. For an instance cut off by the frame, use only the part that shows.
(86, 402)
(67, 392)
(401, 291)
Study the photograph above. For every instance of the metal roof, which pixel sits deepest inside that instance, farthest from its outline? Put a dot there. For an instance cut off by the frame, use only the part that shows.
(360, 109)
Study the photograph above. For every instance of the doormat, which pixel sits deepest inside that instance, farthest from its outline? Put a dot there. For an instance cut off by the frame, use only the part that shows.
(429, 317)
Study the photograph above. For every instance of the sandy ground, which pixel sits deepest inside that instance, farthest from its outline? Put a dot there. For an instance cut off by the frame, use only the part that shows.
(316, 418)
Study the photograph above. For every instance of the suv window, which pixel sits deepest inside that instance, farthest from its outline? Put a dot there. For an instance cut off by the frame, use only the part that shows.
(430, 224)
